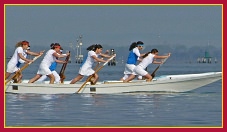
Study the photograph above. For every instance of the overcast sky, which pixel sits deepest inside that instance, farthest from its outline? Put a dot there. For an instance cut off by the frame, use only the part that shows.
(114, 25)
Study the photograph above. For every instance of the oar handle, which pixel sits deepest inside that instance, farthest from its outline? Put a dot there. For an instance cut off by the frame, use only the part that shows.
(109, 59)
(164, 61)
(153, 73)
(62, 76)
(35, 58)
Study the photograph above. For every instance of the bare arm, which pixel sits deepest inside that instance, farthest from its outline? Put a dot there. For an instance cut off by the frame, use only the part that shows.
(140, 59)
(98, 59)
(105, 55)
(60, 61)
(157, 62)
(162, 57)
(141, 55)
(60, 56)
(23, 58)
(35, 53)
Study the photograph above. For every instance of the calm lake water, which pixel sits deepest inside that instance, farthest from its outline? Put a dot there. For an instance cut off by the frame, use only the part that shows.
(198, 108)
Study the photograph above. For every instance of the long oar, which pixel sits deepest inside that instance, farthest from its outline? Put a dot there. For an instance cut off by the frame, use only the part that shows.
(97, 70)
(153, 73)
(22, 68)
(96, 67)
(61, 74)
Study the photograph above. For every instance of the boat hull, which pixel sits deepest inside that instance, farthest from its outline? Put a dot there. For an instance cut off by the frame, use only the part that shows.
(167, 83)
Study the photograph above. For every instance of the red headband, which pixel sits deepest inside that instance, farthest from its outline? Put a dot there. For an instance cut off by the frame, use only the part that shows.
(57, 46)
(25, 43)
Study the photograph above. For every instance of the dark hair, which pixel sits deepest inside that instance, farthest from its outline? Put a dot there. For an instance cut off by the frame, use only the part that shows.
(139, 43)
(132, 46)
(135, 44)
(53, 45)
(152, 51)
(90, 47)
(94, 47)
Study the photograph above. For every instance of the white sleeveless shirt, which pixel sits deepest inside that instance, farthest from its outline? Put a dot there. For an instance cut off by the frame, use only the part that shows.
(147, 60)
(15, 58)
(49, 58)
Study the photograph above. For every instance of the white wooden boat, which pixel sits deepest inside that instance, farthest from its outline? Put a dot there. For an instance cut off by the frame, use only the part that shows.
(165, 83)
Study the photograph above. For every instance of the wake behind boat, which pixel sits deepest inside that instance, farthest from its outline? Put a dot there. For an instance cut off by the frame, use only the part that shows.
(164, 83)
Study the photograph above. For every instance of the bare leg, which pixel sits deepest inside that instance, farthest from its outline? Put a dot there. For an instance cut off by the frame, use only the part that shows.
(125, 77)
(149, 77)
(96, 77)
(52, 78)
(19, 79)
(92, 79)
(42, 78)
(37, 76)
(7, 74)
(129, 78)
(76, 79)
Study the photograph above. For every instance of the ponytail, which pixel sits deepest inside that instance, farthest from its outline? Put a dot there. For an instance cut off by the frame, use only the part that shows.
(21, 43)
(146, 54)
(18, 44)
(132, 46)
(91, 47)
(52, 45)
(152, 51)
